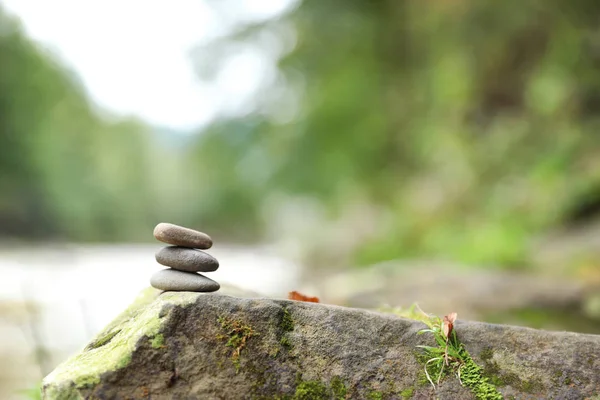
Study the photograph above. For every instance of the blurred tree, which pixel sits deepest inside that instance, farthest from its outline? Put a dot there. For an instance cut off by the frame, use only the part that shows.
(65, 173)
(468, 126)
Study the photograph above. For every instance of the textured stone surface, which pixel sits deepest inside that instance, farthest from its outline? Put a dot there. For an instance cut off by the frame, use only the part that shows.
(180, 236)
(179, 281)
(213, 346)
(186, 259)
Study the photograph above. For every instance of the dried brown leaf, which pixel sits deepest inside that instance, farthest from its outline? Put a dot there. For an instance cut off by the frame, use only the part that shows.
(301, 297)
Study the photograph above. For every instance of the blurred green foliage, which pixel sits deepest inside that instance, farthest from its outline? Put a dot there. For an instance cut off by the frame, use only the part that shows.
(465, 127)
(65, 173)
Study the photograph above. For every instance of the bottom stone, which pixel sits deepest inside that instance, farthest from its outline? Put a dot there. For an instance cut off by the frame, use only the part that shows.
(180, 281)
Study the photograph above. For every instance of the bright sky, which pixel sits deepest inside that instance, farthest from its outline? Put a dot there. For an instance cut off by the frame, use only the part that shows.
(133, 55)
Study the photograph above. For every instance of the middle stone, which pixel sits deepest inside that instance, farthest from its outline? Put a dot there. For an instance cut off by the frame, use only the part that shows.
(186, 259)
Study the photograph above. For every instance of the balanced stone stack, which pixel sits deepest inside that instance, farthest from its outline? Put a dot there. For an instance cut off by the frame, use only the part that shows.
(184, 260)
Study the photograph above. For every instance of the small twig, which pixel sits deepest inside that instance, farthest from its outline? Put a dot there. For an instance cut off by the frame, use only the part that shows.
(440, 375)
(427, 372)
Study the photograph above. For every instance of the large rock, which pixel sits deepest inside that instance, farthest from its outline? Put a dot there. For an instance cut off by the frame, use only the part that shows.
(215, 346)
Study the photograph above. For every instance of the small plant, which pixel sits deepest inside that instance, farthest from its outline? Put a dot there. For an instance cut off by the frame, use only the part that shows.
(447, 352)
(237, 335)
(450, 356)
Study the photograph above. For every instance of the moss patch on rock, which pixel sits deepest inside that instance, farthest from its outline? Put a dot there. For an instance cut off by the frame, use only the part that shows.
(317, 390)
(375, 395)
(158, 341)
(112, 349)
(503, 370)
(338, 388)
(286, 325)
(407, 393)
(102, 339)
(311, 390)
(471, 375)
(236, 334)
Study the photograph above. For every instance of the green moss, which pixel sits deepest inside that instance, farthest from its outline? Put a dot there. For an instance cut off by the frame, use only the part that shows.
(338, 389)
(491, 370)
(375, 395)
(558, 374)
(495, 380)
(86, 381)
(158, 341)
(486, 354)
(113, 348)
(407, 393)
(471, 376)
(236, 363)
(514, 376)
(102, 339)
(510, 379)
(237, 335)
(433, 369)
(285, 342)
(311, 390)
(123, 362)
(287, 323)
(531, 386)
(317, 390)
(274, 351)
(274, 397)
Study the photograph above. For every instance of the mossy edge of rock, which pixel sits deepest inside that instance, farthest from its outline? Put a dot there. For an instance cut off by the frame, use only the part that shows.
(114, 345)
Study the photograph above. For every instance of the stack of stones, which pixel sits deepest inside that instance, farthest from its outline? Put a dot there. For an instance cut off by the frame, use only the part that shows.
(184, 260)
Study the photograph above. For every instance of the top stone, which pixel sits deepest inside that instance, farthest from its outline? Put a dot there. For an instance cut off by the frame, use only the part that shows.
(180, 236)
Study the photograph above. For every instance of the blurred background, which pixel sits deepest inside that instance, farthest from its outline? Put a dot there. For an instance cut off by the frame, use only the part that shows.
(372, 153)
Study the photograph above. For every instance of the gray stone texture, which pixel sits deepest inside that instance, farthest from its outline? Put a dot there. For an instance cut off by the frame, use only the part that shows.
(213, 346)
(180, 236)
(186, 259)
(180, 281)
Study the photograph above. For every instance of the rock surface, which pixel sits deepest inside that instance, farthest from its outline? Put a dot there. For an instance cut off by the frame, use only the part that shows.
(180, 236)
(186, 259)
(179, 281)
(214, 346)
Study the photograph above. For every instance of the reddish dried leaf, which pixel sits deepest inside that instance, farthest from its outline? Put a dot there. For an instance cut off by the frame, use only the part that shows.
(300, 297)
(448, 324)
(451, 317)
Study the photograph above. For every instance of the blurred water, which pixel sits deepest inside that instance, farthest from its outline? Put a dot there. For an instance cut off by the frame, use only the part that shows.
(54, 299)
